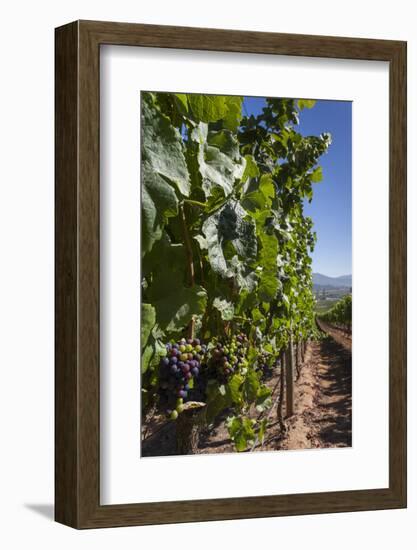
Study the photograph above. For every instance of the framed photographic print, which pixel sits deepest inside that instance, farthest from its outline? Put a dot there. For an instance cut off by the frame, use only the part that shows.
(230, 274)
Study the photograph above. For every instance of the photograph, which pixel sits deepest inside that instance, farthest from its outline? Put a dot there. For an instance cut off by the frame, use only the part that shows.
(246, 273)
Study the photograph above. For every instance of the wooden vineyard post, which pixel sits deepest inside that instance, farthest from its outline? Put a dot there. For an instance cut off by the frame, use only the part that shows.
(281, 390)
(298, 357)
(189, 424)
(289, 378)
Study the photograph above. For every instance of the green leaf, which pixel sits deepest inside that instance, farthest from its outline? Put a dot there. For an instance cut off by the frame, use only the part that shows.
(174, 303)
(317, 174)
(306, 103)
(229, 225)
(146, 357)
(217, 401)
(159, 202)
(207, 108)
(162, 147)
(241, 432)
(262, 429)
(148, 319)
(266, 186)
(251, 386)
(176, 307)
(226, 308)
(251, 168)
(263, 398)
(234, 112)
(227, 142)
(234, 388)
(182, 99)
(269, 282)
(217, 169)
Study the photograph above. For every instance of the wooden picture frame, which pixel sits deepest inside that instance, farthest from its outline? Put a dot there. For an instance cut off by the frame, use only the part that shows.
(77, 382)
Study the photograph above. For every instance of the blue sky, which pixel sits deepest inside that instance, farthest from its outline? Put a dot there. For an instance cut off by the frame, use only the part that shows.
(331, 207)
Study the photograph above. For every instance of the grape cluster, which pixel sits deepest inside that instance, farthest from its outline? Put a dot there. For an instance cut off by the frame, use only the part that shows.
(229, 357)
(264, 365)
(178, 370)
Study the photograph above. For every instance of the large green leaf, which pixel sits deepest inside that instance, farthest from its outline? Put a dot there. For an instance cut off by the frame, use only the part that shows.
(269, 283)
(229, 225)
(217, 169)
(251, 168)
(234, 389)
(162, 146)
(234, 112)
(211, 108)
(251, 386)
(178, 311)
(159, 202)
(148, 319)
(147, 356)
(207, 108)
(176, 304)
(227, 142)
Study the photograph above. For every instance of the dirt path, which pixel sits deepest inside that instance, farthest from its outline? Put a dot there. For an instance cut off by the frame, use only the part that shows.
(323, 396)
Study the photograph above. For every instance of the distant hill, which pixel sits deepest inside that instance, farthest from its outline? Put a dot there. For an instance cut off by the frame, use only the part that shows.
(320, 280)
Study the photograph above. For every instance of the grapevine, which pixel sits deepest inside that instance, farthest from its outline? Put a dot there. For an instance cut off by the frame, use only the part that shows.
(226, 252)
(340, 315)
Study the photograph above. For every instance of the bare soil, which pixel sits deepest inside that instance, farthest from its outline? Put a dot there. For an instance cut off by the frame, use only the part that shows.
(322, 399)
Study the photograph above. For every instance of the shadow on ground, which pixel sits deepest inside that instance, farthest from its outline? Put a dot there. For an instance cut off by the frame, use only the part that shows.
(336, 401)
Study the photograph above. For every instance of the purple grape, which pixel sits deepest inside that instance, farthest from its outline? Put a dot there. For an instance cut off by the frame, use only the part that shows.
(173, 368)
(173, 360)
(165, 361)
(195, 371)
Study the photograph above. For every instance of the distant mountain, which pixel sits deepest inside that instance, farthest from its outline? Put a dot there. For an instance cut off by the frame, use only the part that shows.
(337, 282)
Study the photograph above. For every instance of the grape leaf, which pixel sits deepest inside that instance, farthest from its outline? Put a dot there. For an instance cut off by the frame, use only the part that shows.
(226, 308)
(306, 103)
(148, 319)
(251, 168)
(250, 386)
(317, 174)
(176, 304)
(217, 169)
(207, 108)
(229, 225)
(159, 202)
(234, 112)
(162, 147)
